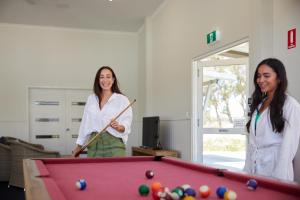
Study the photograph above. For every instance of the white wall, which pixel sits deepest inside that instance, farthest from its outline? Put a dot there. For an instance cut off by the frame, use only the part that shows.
(59, 58)
(286, 17)
(140, 103)
(178, 34)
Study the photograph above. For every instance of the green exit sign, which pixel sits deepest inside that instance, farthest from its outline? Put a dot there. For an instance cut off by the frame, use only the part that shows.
(212, 37)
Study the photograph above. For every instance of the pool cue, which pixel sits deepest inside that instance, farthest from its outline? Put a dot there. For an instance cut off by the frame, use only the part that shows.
(99, 133)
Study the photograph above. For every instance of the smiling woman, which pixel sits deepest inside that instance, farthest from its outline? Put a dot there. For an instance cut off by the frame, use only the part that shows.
(274, 128)
(100, 110)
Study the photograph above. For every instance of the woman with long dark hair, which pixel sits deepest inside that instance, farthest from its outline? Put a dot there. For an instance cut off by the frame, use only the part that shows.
(101, 107)
(274, 126)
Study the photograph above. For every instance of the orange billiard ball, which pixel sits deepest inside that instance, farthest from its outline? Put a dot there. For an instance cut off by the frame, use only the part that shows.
(155, 186)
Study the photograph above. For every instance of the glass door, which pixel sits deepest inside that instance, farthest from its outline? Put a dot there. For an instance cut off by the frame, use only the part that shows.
(222, 108)
(224, 113)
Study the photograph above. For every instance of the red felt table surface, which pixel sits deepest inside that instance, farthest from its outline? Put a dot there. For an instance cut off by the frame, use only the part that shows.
(119, 178)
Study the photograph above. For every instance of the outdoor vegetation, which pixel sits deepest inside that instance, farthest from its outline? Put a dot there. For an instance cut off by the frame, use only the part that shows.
(218, 143)
(224, 104)
(224, 109)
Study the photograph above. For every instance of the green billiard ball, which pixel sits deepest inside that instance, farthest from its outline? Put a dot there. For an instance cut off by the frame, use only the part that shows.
(144, 190)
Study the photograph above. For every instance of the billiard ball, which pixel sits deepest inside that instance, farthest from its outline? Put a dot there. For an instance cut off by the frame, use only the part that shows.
(177, 192)
(149, 174)
(162, 192)
(230, 195)
(204, 191)
(81, 184)
(173, 196)
(185, 186)
(188, 198)
(155, 195)
(190, 192)
(155, 186)
(251, 184)
(144, 190)
(170, 196)
(221, 191)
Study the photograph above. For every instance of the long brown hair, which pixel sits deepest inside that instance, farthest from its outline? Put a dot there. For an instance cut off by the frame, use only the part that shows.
(97, 87)
(276, 106)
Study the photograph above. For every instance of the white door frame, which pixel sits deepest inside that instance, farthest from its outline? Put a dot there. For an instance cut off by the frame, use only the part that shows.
(196, 122)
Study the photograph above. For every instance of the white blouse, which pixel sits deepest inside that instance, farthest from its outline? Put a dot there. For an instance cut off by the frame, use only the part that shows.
(94, 119)
(271, 154)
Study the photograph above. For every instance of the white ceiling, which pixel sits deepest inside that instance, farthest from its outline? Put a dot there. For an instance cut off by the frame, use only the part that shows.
(115, 15)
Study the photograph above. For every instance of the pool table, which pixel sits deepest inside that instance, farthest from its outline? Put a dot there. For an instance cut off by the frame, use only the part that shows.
(120, 178)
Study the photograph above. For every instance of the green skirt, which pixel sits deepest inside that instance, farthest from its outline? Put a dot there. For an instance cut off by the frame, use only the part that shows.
(106, 145)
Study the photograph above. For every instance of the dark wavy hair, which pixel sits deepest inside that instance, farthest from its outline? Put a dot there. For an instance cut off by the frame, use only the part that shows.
(97, 87)
(276, 106)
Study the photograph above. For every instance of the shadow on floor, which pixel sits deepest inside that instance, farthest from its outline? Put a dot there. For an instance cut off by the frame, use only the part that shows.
(11, 193)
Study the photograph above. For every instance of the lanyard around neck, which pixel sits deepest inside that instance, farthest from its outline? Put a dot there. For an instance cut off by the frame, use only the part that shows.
(258, 114)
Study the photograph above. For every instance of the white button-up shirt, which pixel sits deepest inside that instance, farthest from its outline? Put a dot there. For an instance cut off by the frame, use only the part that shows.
(271, 154)
(94, 119)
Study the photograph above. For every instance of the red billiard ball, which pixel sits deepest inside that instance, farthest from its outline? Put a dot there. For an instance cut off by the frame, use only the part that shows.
(204, 191)
(149, 174)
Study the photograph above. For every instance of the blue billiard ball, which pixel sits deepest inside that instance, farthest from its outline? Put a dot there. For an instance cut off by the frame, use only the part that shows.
(190, 192)
(81, 184)
(251, 184)
(221, 191)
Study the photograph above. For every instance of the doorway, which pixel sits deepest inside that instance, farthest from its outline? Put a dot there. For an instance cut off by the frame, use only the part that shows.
(55, 116)
(220, 91)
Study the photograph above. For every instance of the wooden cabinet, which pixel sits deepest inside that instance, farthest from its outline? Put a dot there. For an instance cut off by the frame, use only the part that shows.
(139, 151)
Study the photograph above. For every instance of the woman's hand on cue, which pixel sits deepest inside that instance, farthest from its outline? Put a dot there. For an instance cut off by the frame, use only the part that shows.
(118, 127)
(75, 152)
